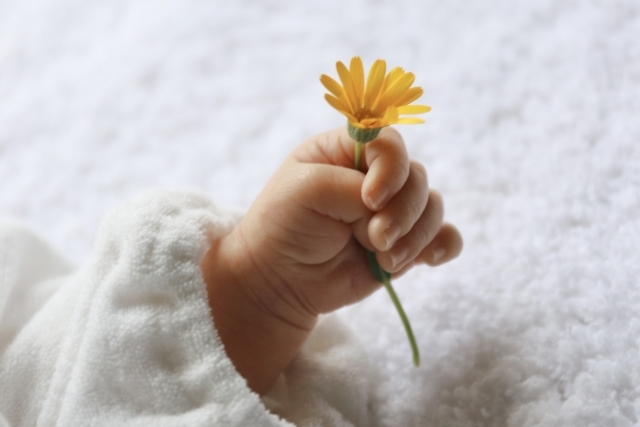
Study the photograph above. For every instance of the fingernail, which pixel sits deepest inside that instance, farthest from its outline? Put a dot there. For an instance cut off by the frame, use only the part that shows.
(438, 253)
(391, 234)
(398, 256)
(377, 200)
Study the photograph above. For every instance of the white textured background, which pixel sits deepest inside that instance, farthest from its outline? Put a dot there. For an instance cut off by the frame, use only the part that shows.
(533, 141)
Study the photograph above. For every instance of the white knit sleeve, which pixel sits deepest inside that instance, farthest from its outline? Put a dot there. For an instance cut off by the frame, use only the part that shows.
(128, 339)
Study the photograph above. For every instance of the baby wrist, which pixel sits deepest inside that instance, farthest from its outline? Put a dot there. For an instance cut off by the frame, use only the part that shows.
(261, 332)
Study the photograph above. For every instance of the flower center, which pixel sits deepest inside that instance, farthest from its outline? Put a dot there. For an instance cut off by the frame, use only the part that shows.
(365, 114)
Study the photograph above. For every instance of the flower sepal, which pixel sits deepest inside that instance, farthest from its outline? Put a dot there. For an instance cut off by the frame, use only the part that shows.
(362, 135)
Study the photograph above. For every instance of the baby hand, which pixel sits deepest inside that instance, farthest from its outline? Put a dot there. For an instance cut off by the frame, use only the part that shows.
(300, 249)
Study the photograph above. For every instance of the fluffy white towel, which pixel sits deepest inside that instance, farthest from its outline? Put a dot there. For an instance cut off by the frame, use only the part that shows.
(128, 338)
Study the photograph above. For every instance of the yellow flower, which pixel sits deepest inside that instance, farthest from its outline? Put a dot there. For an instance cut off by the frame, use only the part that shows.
(377, 103)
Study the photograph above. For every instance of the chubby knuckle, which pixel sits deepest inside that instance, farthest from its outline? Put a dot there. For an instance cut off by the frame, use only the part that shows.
(392, 134)
(436, 202)
(419, 171)
(309, 176)
(419, 238)
(424, 235)
(416, 207)
(402, 170)
(304, 180)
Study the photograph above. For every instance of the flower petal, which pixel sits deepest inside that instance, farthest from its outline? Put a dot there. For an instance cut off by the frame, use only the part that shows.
(393, 75)
(357, 74)
(374, 82)
(377, 101)
(398, 88)
(410, 121)
(414, 109)
(347, 84)
(391, 114)
(411, 95)
(332, 86)
(376, 123)
(339, 105)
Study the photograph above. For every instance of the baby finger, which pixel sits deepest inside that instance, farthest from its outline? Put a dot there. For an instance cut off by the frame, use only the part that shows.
(413, 243)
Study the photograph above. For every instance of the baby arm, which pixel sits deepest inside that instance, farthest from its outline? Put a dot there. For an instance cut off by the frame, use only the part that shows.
(299, 251)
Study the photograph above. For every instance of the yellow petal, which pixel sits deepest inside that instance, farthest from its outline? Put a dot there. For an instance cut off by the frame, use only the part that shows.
(336, 103)
(351, 117)
(411, 95)
(414, 109)
(339, 105)
(391, 114)
(356, 124)
(332, 86)
(347, 84)
(357, 74)
(394, 92)
(393, 75)
(410, 121)
(370, 122)
(374, 82)
(380, 123)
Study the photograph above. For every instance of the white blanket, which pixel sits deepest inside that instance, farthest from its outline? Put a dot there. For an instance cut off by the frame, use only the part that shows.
(128, 338)
(533, 141)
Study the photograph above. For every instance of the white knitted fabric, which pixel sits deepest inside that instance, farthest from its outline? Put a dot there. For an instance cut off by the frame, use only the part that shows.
(128, 338)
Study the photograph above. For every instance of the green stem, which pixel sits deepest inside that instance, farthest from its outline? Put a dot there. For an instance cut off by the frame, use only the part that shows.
(384, 277)
(405, 322)
(378, 272)
(358, 155)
